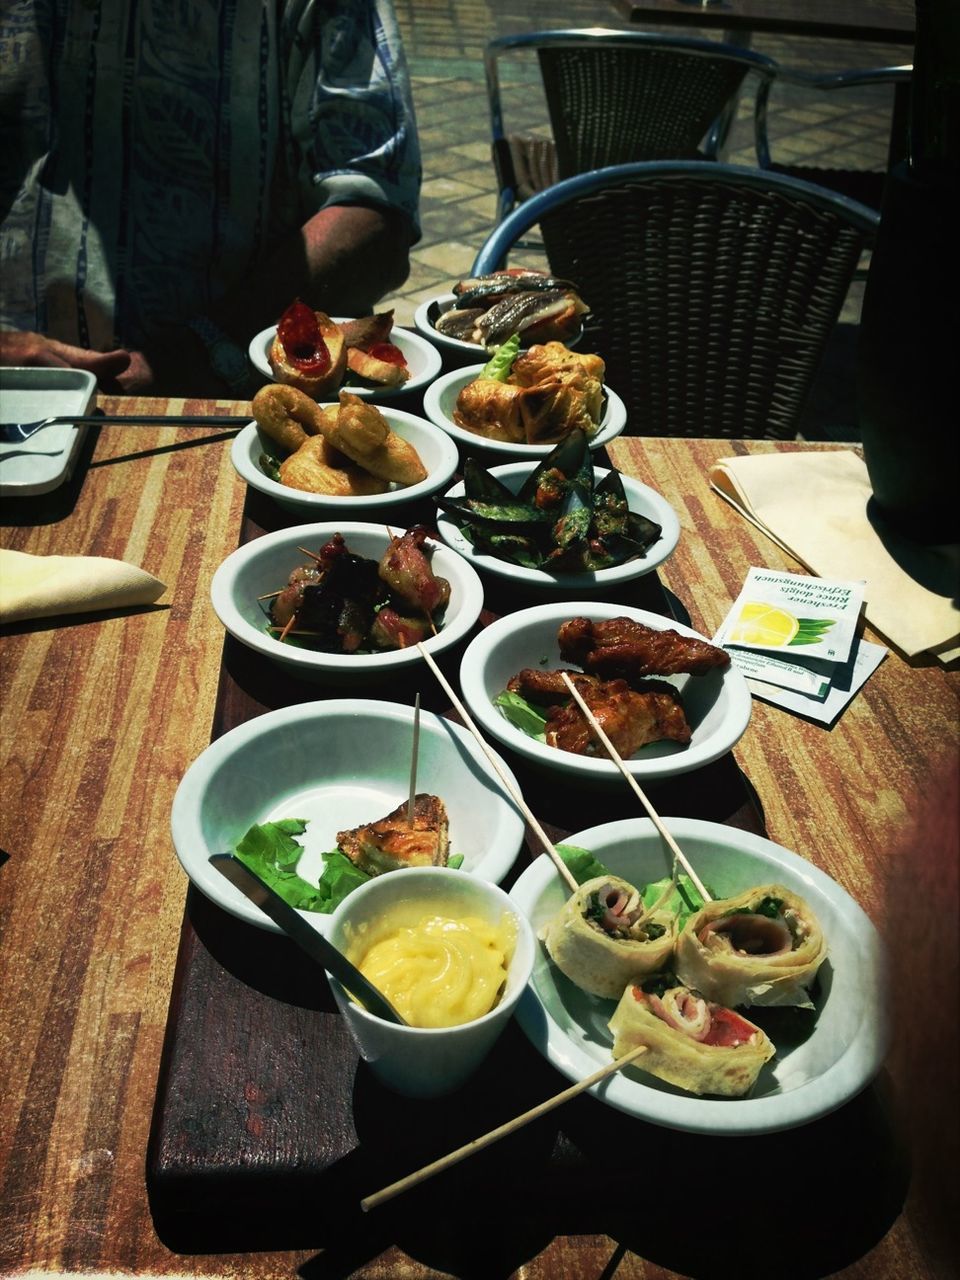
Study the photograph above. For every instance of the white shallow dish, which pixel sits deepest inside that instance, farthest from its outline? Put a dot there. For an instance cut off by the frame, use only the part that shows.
(423, 360)
(717, 704)
(337, 763)
(437, 451)
(46, 460)
(455, 350)
(264, 565)
(807, 1078)
(640, 498)
(440, 398)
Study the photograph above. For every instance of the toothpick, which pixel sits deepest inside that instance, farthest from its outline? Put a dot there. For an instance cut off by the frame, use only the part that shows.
(511, 1126)
(411, 803)
(654, 816)
(513, 791)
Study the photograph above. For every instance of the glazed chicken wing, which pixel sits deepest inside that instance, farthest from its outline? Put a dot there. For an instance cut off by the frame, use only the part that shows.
(407, 572)
(631, 718)
(628, 649)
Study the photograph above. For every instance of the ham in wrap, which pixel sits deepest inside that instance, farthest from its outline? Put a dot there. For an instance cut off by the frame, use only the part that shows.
(763, 947)
(603, 937)
(691, 1043)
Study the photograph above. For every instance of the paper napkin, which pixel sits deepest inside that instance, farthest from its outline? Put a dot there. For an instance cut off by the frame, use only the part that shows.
(43, 586)
(814, 505)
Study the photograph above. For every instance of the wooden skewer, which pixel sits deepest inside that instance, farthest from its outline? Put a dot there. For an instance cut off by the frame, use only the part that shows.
(411, 803)
(511, 1126)
(654, 816)
(514, 792)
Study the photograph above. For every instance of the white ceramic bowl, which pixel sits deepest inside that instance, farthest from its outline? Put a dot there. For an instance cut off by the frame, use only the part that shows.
(437, 451)
(337, 763)
(455, 350)
(264, 565)
(440, 398)
(426, 1062)
(640, 498)
(808, 1077)
(717, 704)
(423, 360)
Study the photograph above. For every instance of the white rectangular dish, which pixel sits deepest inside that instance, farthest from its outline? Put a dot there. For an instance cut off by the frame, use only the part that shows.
(46, 460)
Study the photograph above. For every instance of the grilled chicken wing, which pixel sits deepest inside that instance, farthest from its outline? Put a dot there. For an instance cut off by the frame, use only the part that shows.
(621, 647)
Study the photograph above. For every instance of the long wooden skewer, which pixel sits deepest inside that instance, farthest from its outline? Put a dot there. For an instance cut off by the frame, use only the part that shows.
(641, 796)
(511, 788)
(411, 803)
(511, 1126)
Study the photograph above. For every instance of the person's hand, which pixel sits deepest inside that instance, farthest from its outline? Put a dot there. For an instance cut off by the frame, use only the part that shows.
(34, 350)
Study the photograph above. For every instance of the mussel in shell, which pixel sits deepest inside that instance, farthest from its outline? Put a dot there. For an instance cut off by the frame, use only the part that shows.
(559, 520)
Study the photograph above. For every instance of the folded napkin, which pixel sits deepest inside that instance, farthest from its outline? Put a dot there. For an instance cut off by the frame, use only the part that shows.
(40, 586)
(814, 505)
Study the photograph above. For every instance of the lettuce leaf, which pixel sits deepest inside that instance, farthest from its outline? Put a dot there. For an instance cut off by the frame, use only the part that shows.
(340, 877)
(683, 902)
(500, 363)
(581, 863)
(271, 852)
(528, 719)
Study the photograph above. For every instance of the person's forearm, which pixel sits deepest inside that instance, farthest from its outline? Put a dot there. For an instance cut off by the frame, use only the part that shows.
(342, 261)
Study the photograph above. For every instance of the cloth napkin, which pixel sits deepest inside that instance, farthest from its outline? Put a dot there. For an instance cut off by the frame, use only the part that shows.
(814, 505)
(41, 586)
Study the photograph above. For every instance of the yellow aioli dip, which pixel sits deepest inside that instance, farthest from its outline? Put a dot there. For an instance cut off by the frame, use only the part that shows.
(440, 971)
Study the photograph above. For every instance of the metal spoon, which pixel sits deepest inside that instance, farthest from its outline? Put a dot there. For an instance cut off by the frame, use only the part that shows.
(14, 432)
(313, 943)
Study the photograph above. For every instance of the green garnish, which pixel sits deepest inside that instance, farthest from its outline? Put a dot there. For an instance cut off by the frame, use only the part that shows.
(581, 863)
(271, 852)
(770, 907)
(682, 903)
(522, 715)
(501, 362)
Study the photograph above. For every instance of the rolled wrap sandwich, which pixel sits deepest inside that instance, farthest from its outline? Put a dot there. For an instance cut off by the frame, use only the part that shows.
(763, 947)
(603, 937)
(691, 1043)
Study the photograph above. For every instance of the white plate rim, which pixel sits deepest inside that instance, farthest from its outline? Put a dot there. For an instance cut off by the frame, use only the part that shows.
(612, 425)
(723, 1117)
(689, 758)
(409, 342)
(185, 809)
(657, 509)
(297, 498)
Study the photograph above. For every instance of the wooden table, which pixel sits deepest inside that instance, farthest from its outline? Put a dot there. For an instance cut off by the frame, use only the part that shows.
(874, 22)
(100, 717)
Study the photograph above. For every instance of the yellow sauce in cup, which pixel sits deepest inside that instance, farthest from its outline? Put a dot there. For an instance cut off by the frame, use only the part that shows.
(440, 971)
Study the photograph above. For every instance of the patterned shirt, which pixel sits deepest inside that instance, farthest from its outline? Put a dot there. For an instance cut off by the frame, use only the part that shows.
(152, 151)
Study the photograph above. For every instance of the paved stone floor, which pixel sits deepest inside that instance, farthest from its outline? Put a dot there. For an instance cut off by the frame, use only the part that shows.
(445, 40)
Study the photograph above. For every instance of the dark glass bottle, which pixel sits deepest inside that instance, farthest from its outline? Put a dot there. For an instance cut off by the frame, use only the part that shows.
(908, 356)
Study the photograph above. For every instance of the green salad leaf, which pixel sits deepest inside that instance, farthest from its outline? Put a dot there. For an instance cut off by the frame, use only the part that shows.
(271, 852)
(501, 362)
(683, 902)
(340, 877)
(581, 863)
(522, 715)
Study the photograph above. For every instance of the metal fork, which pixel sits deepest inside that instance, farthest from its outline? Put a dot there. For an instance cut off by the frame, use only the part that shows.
(15, 432)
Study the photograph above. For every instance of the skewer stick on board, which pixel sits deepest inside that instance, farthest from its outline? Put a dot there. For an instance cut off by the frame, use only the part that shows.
(511, 1126)
(641, 796)
(411, 803)
(511, 788)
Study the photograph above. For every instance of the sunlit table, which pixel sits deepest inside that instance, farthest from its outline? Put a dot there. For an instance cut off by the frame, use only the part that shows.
(101, 716)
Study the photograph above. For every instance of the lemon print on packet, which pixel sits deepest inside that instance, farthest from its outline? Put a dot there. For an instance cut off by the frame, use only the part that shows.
(765, 624)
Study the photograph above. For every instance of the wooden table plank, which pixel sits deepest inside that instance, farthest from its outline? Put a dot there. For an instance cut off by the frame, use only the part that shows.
(99, 718)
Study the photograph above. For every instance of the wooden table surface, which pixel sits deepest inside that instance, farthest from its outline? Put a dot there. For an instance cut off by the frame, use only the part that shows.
(874, 21)
(101, 714)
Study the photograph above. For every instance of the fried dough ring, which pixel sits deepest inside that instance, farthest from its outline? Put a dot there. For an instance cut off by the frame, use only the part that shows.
(363, 434)
(287, 415)
(313, 469)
